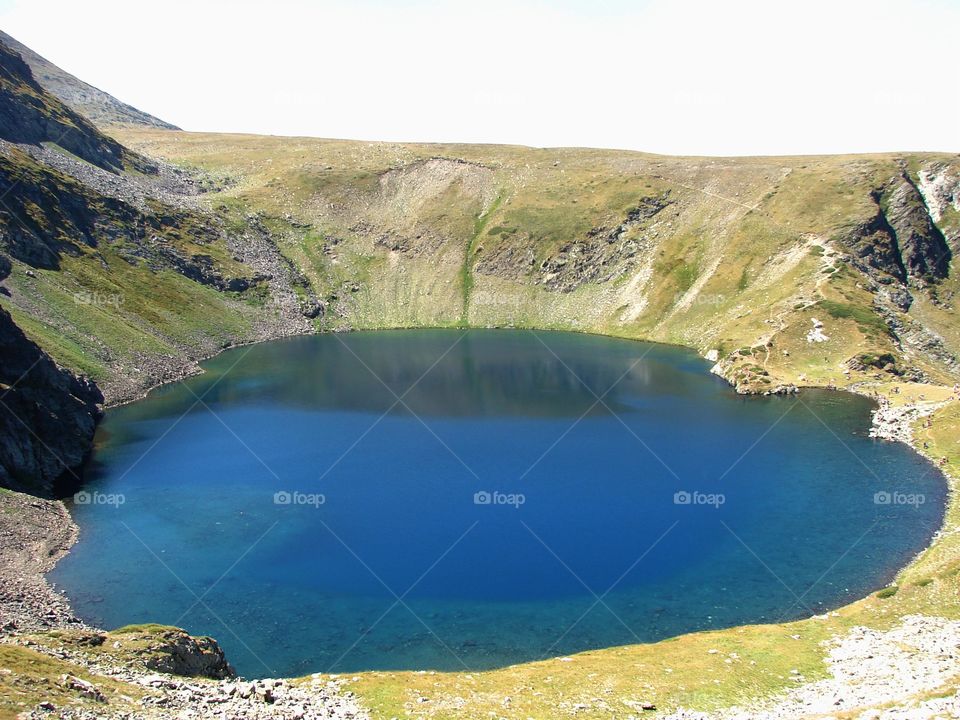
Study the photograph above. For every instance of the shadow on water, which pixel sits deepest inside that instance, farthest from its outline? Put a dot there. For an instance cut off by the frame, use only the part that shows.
(499, 514)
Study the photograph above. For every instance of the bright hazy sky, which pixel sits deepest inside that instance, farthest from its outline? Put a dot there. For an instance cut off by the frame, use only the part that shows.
(683, 76)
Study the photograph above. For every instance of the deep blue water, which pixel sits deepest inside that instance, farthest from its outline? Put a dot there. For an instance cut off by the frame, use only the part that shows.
(383, 558)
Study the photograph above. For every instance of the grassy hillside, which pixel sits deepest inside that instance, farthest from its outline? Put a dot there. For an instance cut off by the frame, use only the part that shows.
(720, 254)
(126, 294)
(736, 257)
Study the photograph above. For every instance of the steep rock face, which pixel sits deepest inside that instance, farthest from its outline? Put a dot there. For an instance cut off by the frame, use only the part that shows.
(900, 246)
(47, 415)
(28, 114)
(874, 245)
(923, 249)
(100, 107)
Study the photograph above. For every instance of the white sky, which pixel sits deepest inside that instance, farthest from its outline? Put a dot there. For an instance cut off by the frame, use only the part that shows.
(684, 76)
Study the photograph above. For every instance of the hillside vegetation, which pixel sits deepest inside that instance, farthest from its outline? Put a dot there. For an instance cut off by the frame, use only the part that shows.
(738, 256)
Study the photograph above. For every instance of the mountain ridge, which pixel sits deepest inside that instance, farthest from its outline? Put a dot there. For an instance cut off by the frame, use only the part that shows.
(101, 108)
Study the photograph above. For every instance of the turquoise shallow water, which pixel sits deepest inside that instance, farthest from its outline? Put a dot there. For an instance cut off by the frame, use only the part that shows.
(497, 513)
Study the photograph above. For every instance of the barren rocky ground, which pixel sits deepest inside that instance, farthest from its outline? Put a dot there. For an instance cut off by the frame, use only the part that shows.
(910, 672)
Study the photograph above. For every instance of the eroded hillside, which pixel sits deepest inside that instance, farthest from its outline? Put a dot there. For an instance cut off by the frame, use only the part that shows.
(741, 258)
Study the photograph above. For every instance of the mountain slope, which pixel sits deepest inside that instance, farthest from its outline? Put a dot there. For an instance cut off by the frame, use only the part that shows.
(112, 268)
(101, 108)
(30, 115)
(734, 256)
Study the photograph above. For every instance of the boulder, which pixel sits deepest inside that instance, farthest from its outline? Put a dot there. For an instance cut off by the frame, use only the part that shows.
(173, 651)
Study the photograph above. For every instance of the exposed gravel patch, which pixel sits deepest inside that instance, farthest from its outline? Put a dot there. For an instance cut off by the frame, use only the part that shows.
(870, 669)
(168, 697)
(895, 422)
(34, 535)
(170, 185)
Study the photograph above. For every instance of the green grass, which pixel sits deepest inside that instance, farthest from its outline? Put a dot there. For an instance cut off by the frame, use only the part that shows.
(466, 279)
(744, 282)
(866, 318)
(143, 628)
(36, 678)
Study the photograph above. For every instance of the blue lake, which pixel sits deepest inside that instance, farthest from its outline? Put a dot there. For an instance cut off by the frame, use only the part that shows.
(446, 500)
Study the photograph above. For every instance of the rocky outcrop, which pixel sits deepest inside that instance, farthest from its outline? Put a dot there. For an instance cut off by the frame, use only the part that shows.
(939, 183)
(508, 261)
(605, 253)
(915, 337)
(923, 249)
(873, 244)
(111, 690)
(900, 247)
(173, 651)
(47, 415)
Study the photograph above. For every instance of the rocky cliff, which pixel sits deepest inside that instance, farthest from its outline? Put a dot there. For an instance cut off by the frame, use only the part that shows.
(47, 416)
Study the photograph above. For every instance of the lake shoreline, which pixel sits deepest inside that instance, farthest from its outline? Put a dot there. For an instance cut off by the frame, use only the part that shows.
(54, 532)
(890, 423)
